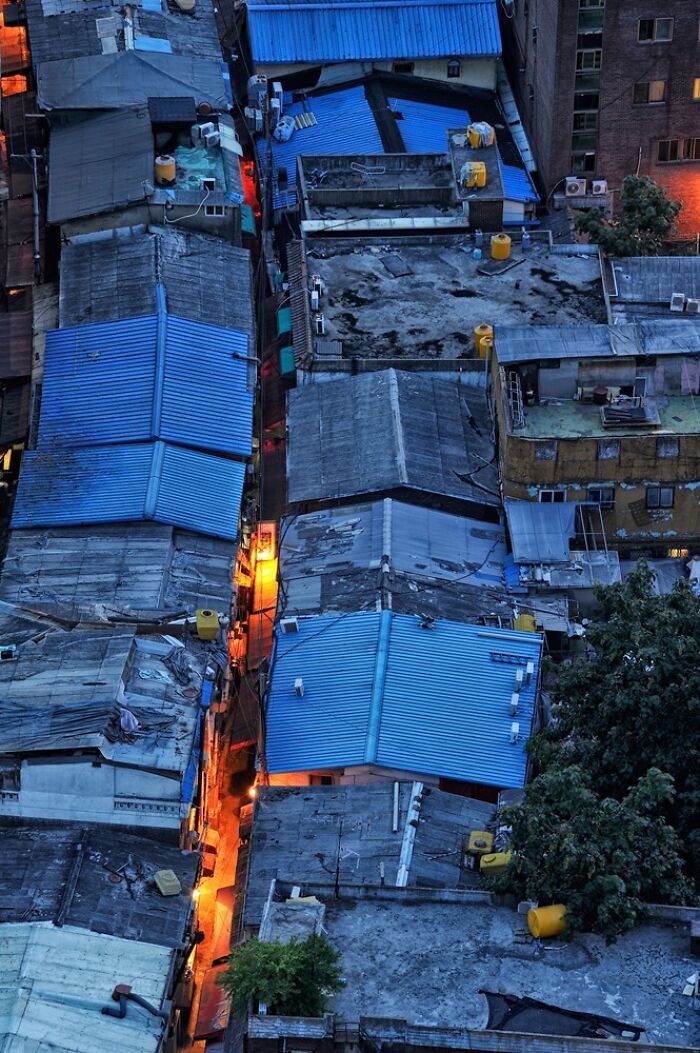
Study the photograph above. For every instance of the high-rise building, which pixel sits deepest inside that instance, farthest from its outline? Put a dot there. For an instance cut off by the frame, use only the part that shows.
(609, 88)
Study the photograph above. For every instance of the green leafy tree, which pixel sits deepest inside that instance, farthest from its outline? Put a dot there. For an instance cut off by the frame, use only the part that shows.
(634, 702)
(645, 221)
(613, 818)
(603, 858)
(293, 979)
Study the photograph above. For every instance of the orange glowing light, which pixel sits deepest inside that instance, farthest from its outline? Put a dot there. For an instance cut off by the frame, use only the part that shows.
(267, 542)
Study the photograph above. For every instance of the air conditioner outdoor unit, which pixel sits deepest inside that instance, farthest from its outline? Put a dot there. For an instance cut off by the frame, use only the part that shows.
(575, 187)
(692, 306)
(514, 732)
(275, 112)
(320, 324)
(315, 303)
(677, 301)
(514, 702)
(599, 186)
(289, 625)
(212, 139)
(206, 129)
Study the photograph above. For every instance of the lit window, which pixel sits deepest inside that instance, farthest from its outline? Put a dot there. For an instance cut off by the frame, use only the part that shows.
(454, 69)
(667, 447)
(214, 210)
(552, 497)
(649, 91)
(608, 449)
(696, 89)
(659, 497)
(602, 495)
(655, 30)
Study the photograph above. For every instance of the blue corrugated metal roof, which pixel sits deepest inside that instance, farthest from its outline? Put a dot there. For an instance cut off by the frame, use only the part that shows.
(379, 689)
(340, 30)
(423, 126)
(517, 184)
(144, 481)
(345, 125)
(137, 379)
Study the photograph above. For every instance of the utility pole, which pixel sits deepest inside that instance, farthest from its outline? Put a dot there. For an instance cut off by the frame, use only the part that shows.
(33, 158)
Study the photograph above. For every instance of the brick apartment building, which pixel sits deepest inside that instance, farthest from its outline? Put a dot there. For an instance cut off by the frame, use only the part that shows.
(609, 88)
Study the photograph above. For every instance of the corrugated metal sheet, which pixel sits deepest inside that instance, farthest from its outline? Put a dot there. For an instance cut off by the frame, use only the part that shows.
(56, 978)
(381, 431)
(540, 533)
(344, 125)
(380, 689)
(382, 29)
(423, 125)
(93, 82)
(523, 343)
(517, 184)
(108, 484)
(158, 376)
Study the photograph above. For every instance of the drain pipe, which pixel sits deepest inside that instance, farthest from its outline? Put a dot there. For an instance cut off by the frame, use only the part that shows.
(123, 993)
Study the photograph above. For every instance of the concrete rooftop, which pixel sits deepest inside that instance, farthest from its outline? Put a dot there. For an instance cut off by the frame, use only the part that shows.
(571, 419)
(425, 962)
(430, 311)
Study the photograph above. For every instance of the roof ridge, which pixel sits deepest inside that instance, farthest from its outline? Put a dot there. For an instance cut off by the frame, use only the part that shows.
(396, 423)
(378, 681)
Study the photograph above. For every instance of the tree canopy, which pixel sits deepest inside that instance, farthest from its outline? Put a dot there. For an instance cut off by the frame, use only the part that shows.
(645, 221)
(292, 979)
(613, 818)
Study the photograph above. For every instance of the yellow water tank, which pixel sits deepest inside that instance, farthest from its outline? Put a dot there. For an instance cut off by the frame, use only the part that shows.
(486, 349)
(480, 843)
(495, 862)
(474, 174)
(525, 623)
(474, 133)
(480, 331)
(546, 921)
(166, 170)
(207, 623)
(500, 247)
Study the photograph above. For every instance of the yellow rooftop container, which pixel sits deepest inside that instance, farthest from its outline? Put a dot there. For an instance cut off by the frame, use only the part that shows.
(495, 862)
(207, 623)
(544, 922)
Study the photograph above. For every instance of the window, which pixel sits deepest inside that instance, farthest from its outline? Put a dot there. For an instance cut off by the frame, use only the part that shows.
(602, 495)
(696, 89)
(649, 91)
(655, 30)
(583, 161)
(590, 3)
(546, 451)
(667, 447)
(608, 449)
(214, 210)
(402, 67)
(552, 497)
(454, 68)
(588, 60)
(659, 496)
(585, 122)
(586, 100)
(670, 150)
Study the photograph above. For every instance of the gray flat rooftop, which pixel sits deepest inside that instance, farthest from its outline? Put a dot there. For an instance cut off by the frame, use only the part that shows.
(571, 419)
(425, 962)
(430, 310)
(314, 833)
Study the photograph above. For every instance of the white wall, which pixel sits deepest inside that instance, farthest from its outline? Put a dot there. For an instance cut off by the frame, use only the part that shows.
(76, 790)
(476, 73)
